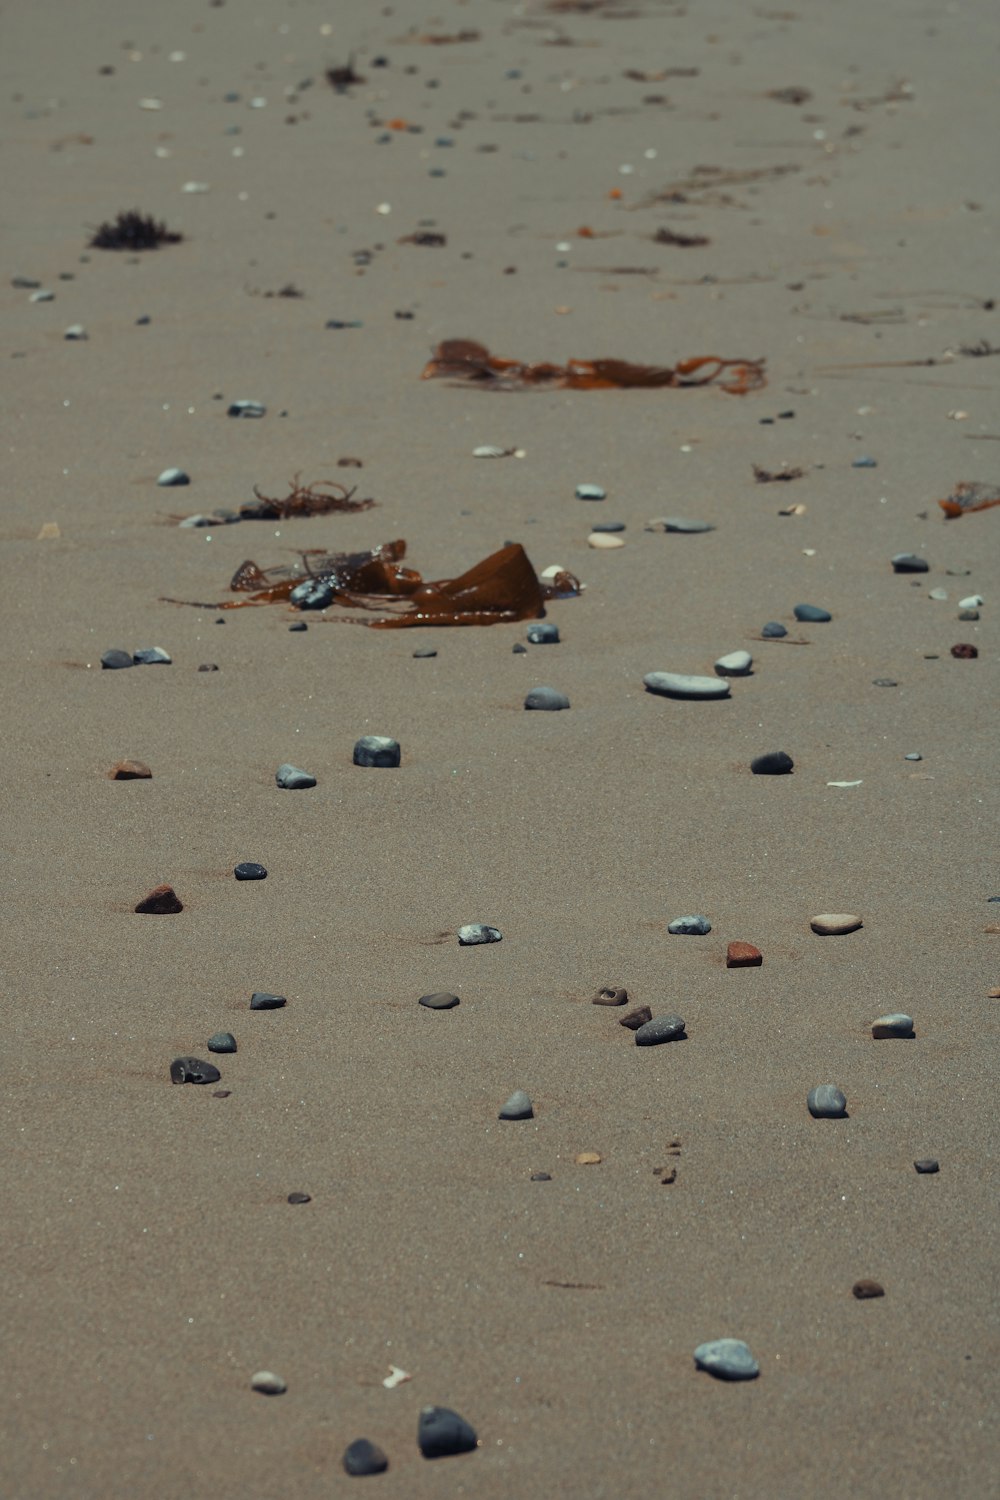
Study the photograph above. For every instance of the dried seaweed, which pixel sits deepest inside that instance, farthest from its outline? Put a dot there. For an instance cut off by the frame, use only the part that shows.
(776, 476)
(133, 231)
(342, 78)
(464, 359)
(665, 236)
(702, 183)
(318, 499)
(427, 237)
(791, 95)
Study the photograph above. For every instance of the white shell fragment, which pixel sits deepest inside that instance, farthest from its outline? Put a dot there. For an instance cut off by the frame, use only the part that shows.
(395, 1377)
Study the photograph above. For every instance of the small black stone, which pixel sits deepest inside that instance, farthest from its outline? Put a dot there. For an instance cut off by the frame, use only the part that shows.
(442, 1432)
(773, 630)
(222, 1041)
(541, 1176)
(774, 763)
(518, 650)
(299, 625)
(193, 1070)
(422, 653)
(261, 1000)
(300, 1197)
(812, 613)
(114, 661)
(440, 1001)
(363, 1457)
(250, 870)
(927, 1165)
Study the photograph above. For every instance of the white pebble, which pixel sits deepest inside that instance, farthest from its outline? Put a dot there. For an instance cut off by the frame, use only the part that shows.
(604, 541)
(830, 924)
(973, 602)
(268, 1384)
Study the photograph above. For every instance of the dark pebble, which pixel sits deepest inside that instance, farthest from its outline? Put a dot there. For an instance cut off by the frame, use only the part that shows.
(663, 1029)
(193, 1070)
(812, 613)
(292, 778)
(377, 750)
(827, 1102)
(222, 1041)
(774, 763)
(211, 666)
(518, 650)
(909, 562)
(964, 651)
(884, 682)
(363, 1457)
(151, 656)
(867, 1288)
(610, 526)
(441, 1432)
(543, 635)
(300, 1197)
(162, 901)
(547, 699)
(314, 593)
(250, 870)
(114, 661)
(541, 1177)
(298, 626)
(221, 1093)
(422, 653)
(246, 409)
(927, 1165)
(610, 994)
(440, 1001)
(261, 1000)
(641, 1016)
(773, 630)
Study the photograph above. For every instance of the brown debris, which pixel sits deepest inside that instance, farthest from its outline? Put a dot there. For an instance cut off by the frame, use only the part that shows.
(344, 77)
(965, 652)
(610, 994)
(130, 770)
(665, 236)
(162, 901)
(427, 237)
(304, 500)
(465, 359)
(791, 95)
(867, 1288)
(969, 496)
(133, 231)
(776, 476)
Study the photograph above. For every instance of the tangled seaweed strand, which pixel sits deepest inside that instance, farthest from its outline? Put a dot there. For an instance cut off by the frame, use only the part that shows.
(464, 359)
(304, 500)
(133, 231)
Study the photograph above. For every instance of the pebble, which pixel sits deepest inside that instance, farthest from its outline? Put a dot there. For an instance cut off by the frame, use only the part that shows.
(543, 635)
(678, 524)
(114, 661)
(268, 1384)
(727, 1359)
(547, 699)
(246, 409)
(812, 613)
(968, 614)
(866, 1288)
(913, 755)
(641, 1016)
(490, 450)
(895, 1024)
(422, 653)
(249, 869)
(75, 333)
(261, 1000)
(299, 1198)
(604, 541)
(588, 1158)
(835, 923)
(193, 1070)
(735, 664)
(773, 630)
(965, 652)
(909, 562)
(42, 295)
(590, 492)
(162, 901)
(130, 770)
(927, 1166)
(939, 596)
(541, 1177)
(972, 602)
(610, 994)
(608, 526)
(864, 463)
(377, 750)
(689, 927)
(827, 1102)
(681, 685)
(478, 932)
(222, 1041)
(773, 763)
(662, 1029)
(517, 1107)
(518, 650)
(442, 1432)
(314, 593)
(173, 477)
(883, 682)
(152, 656)
(292, 779)
(211, 666)
(439, 1001)
(743, 956)
(364, 1457)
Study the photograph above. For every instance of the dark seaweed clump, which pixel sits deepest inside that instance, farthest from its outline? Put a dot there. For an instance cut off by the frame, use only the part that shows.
(133, 231)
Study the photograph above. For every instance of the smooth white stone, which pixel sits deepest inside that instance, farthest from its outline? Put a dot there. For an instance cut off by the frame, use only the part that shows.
(735, 664)
(680, 685)
(830, 923)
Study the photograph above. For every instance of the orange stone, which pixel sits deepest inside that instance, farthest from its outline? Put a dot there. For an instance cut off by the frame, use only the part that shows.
(743, 956)
(162, 901)
(129, 770)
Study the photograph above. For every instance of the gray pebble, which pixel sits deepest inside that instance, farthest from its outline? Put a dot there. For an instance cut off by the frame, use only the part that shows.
(884, 682)
(442, 1432)
(909, 562)
(268, 1384)
(968, 614)
(864, 463)
(548, 699)
(896, 1024)
(734, 664)
(173, 477)
(727, 1359)
(262, 1000)
(682, 685)
(441, 1001)
(773, 631)
(940, 596)
(812, 613)
(222, 1041)
(246, 409)
(608, 526)
(114, 661)
(662, 1029)
(75, 333)
(590, 492)
(249, 869)
(478, 932)
(827, 1102)
(152, 656)
(42, 295)
(543, 635)
(376, 750)
(364, 1457)
(678, 524)
(927, 1166)
(689, 927)
(913, 755)
(313, 593)
(518, 650)
(517, 1107)
(292, 779)
(193, 1070)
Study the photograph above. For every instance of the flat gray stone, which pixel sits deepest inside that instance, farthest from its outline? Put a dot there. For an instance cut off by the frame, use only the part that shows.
(171, 478)
(689, 927)
(264, 1000)
(543, 635)
(734, 664)
(895, 1024)
(678, 524)
(377, 750)
(266, 1383)
(222, 1041)
(193, 1070)
(909, 562)
(727, 1359)
(681, 685)
(827, 1102)
(439, 1001)
(812, 613)
(590, 492)
(517, 1107)
(292, 779)
(547, 699)
(660, 1029)
(478, 932)
(114, 660)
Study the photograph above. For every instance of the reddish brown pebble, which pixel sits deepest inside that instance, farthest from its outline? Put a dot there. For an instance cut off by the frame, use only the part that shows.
(964, 651)
(130, 770)
(993, 994)
(162, 901)
(209, 666)
(299, 1198)
(222, 1093)
(866, 1288)
(743, 956)
(636, 1018)
(610, 994)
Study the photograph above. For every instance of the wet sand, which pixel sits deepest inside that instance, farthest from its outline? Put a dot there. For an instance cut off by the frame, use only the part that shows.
(151, 1261)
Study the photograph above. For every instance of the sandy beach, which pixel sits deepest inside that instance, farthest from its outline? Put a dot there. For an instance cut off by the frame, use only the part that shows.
(518, 175)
